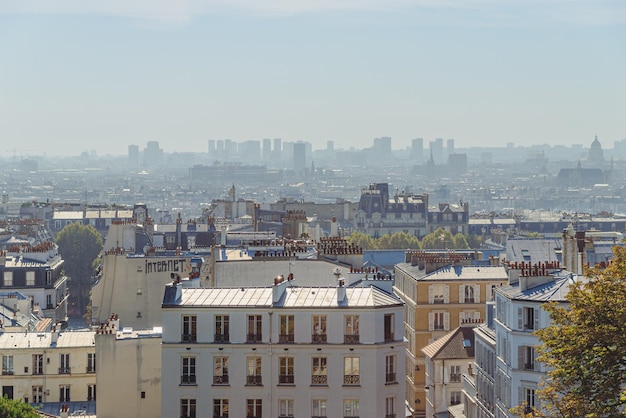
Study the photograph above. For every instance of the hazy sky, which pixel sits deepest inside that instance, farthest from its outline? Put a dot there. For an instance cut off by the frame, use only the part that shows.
(80, 75)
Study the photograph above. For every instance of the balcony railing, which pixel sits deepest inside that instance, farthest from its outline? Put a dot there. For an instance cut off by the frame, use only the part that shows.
(390, 378)
(469, 300)
(319, 379)
(253, 380)
(64, 370)
(456, 377)
(188, 338)
(319, 416)
(220, 380)
(529, 366)
(285, 379)
(351, 339)
(319, 339)
(286, 338)
(188, 379)
(91, 369)
(390, 416)
(351, 379)
(388, 337)
(37, 372)
(254, 338)
(7, 372)
(221, 338)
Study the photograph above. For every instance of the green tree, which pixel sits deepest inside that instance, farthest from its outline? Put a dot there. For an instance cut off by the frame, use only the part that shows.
(459, 241)
(361, 240)
(397, 241)
(585, 346)
(10, 408)
(79, 245)
(438, 239)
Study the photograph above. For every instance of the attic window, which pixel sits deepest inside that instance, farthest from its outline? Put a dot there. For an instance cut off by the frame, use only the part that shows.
(467, 343)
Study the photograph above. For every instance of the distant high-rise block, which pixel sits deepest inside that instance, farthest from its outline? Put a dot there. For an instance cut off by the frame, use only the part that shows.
(299, 156)
(133, 156)
(267, 149)
(382, 146)
(417, 148)
(278, 148)
(330, 145)
(152, 154)
(211, 148)
(450, 146)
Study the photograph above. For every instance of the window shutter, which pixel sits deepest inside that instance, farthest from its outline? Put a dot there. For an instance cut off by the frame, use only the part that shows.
(461, 293)
(446, 321)
(520, 319)
(520, 357)
(431, 298)
(446, 294)
(431, 320)
(476, 293)
(535, 362)
(520, 395)
(536, 315)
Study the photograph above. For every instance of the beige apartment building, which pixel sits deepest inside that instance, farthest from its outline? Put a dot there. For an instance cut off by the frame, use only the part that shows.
(442, 291)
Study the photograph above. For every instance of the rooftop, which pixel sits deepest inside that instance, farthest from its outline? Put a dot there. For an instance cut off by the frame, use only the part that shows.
(20, 340)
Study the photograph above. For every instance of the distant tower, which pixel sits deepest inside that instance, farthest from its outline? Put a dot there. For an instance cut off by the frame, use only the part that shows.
(417, 149)
(267, 149)
(278, 148)
(299, 156)
(450, 146)
(211, 148)
(330, 145)
(133, 156)
(596, 156)
(382, 146)
(152, 154)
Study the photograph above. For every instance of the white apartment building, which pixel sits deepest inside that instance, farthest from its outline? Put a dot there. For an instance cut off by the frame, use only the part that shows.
(519, 313)
(282, 351)
(479, 400)
(48, 367)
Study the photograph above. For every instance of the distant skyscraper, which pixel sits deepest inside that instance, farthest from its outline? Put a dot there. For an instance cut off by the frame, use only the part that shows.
(278, 148)
(436, 150)
(133, 156)
(417, 149)
(267, 149)
(450, 146)
(211, 149)
(152, 154)
(299, 156)
(330, 145)
(219, 150)
(382, 146)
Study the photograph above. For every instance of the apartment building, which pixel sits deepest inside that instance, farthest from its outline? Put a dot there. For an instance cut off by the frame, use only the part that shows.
(48, 367)
(282, 351)
(442, 291)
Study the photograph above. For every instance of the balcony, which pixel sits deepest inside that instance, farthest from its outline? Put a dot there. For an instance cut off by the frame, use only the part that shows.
(253, 381)
(7, 372)
(188, 338)
(37, 372)
(221, 338)
(220, 380)
(455, 377)
(188, 379)
(529, 366)
(64, 370)
(351, 339)
(390, 378)
(285, 379)
(286, 338)
(254, 338)
(319, 379)
(319, 339)
(351, 379)
(389, 337)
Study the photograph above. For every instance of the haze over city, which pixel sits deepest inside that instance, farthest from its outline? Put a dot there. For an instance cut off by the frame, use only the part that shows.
(100, 76)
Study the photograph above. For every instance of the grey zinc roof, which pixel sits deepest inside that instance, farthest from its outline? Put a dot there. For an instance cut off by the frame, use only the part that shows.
(294, 297)
(555, 290)
(10, 340)
(452, 273)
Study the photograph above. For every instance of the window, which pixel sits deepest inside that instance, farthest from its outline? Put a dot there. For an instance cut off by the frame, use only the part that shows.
(222, 334)
(526, 357)
(286, 371)
(188, 371)
(491, 292)
(91, 392)
(350, 408)
(254, 329)
(389, 327)
(220, 371)
(187, 408)
(37, 394)
(469, 293)
(285, 408)
(390, 407)
(319, 374)
(455, 398)
(220, 408)
(319, 329)
(30, 278)
(253, 374)
(390, 369)
(351, 372)
(254, 408)
(65, 364)
(318, 408)
(189, 329)
(37, 363)
(91, 362)
(469, 317)
(49, 302)
(455, 373)
(8, 278)
(438, 293)
(7, 365)
(529, 398)
(64, 393)
(530, 317)
(351, 329)
(438, 321)
(48, 277)
(286, 329)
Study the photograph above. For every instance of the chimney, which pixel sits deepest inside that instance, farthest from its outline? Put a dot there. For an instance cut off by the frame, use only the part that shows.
(280, 284)
(65, 411)
(341, 291)
(54, 335)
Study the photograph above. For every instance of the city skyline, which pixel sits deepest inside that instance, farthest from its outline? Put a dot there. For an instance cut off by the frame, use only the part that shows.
(79, 77)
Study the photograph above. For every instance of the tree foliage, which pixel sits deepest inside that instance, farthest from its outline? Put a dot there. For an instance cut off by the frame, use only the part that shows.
(79, 245)
(361, 240)
(10, 408)
(397, 241)
(441, 239)
(585, 346)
